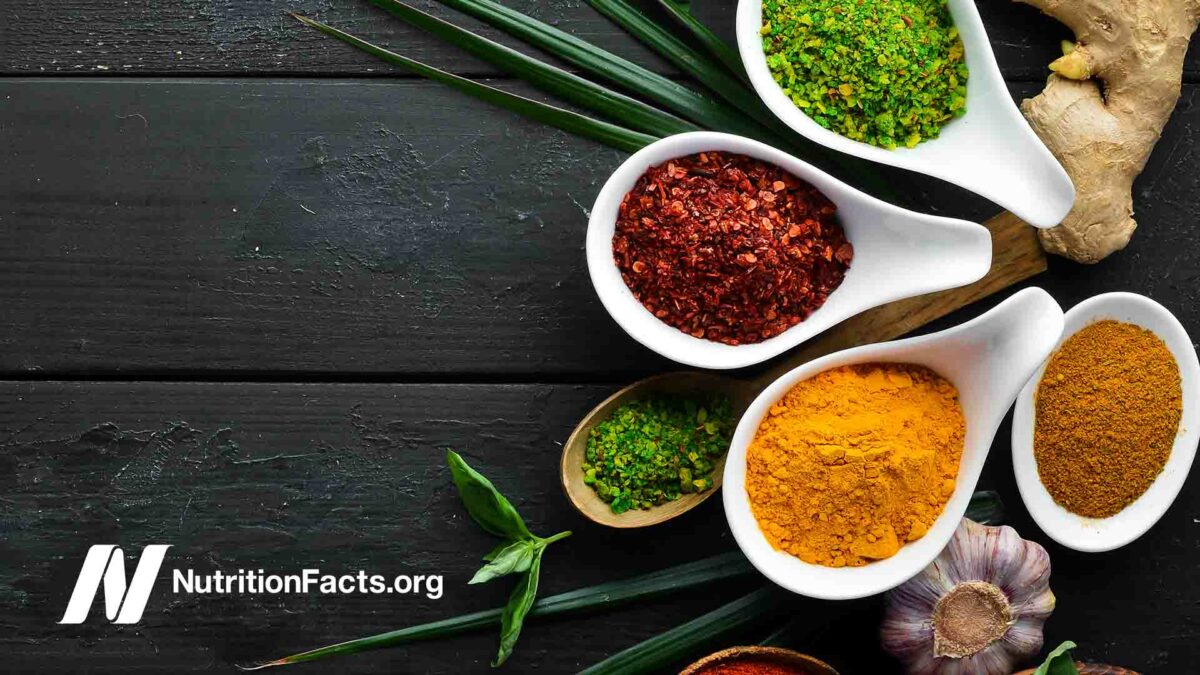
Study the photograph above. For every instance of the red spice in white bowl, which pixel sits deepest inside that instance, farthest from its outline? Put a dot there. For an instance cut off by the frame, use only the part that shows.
(897, 254)
(729, 248)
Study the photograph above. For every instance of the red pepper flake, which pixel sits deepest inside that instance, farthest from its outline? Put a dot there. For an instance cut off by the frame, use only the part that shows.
(721, 260)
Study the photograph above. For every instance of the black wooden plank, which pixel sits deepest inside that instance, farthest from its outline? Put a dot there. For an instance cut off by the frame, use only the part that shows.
(358, 483)
(348, 477)
(160, 227)
(254, 36)
(361, 226)
(251, 36)
(310, 226)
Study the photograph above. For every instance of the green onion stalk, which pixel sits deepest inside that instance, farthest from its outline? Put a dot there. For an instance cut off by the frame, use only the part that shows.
(655, 106)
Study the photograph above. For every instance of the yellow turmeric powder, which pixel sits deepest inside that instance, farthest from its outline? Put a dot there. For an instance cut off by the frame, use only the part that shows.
(856, 461)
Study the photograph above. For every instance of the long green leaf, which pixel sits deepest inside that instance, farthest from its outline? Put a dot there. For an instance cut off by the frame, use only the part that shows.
(677, 643)
(612, 135)
(685, 639)
(703, 69)
(550, 79)
(593, 598)
(708, 39)
(671, 95)
(698, 574)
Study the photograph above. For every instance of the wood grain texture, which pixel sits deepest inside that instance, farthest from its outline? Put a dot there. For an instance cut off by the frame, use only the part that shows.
(386, 229)
(345, 477)
(305, 226)
(357, 226)
(233, 37)
(336, 477)
(238, 37)
(365, 228)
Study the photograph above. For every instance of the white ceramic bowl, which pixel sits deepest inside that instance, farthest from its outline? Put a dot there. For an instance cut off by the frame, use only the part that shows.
(1105, 534)
(897, 254)
(988, 359)
(990, 150)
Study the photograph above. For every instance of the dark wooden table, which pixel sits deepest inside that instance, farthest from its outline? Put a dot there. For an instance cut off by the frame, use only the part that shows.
(253, 284)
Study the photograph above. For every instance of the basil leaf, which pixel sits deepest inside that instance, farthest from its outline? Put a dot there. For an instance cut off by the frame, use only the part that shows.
(518, 606)
(516, 557)
(1059, 662)
(484, 502)
(491, 555)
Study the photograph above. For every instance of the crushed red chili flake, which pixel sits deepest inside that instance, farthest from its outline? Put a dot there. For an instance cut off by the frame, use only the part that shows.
(729, 248)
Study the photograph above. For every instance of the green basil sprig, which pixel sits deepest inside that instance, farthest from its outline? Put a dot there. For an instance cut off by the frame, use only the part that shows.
(519, 553)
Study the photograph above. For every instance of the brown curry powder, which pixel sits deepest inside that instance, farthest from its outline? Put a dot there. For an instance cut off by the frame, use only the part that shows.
(856, 461)
(1107, 411)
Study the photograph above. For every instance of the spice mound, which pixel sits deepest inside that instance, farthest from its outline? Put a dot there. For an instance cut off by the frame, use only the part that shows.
(856, 461)
(655, 450)
(753, 666)
(1107, 412)
(729, 248)
(885, 72)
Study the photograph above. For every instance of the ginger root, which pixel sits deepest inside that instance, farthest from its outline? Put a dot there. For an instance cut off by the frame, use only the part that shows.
(1104, 108)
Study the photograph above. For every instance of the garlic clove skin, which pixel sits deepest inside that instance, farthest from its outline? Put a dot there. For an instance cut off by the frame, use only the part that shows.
(977, 609)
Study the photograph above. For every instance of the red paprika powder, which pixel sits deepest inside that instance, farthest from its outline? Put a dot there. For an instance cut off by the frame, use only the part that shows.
(729, 248)
(751, 667)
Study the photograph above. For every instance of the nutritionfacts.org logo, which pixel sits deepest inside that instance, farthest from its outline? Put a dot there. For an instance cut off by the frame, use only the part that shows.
(124, 602)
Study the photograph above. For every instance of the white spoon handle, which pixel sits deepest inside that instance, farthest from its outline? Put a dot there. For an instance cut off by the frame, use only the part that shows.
(992, 357)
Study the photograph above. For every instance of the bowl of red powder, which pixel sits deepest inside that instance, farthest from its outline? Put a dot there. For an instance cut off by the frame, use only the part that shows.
(757, 660)
(719, 251)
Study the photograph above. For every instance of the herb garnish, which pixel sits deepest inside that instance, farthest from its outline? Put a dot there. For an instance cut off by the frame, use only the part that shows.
(884, 73)
(519, 553)
(655, 450)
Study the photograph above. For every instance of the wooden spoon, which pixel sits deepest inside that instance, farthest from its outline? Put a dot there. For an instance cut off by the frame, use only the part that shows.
(784, 657)
(1016, 256)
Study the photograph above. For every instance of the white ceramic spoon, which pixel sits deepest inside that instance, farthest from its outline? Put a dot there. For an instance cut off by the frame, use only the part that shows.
(990, 150)
(1091, 534)
(988, 359)
(897, 254)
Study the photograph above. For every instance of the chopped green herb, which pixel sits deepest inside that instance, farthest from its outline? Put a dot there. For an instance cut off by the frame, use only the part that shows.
(884, 72)
(653, 451)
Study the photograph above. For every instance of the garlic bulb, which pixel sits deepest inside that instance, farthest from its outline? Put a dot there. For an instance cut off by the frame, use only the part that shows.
(976, 610)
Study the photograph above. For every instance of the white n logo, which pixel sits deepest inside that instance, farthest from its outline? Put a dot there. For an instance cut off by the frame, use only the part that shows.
(122, 604)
